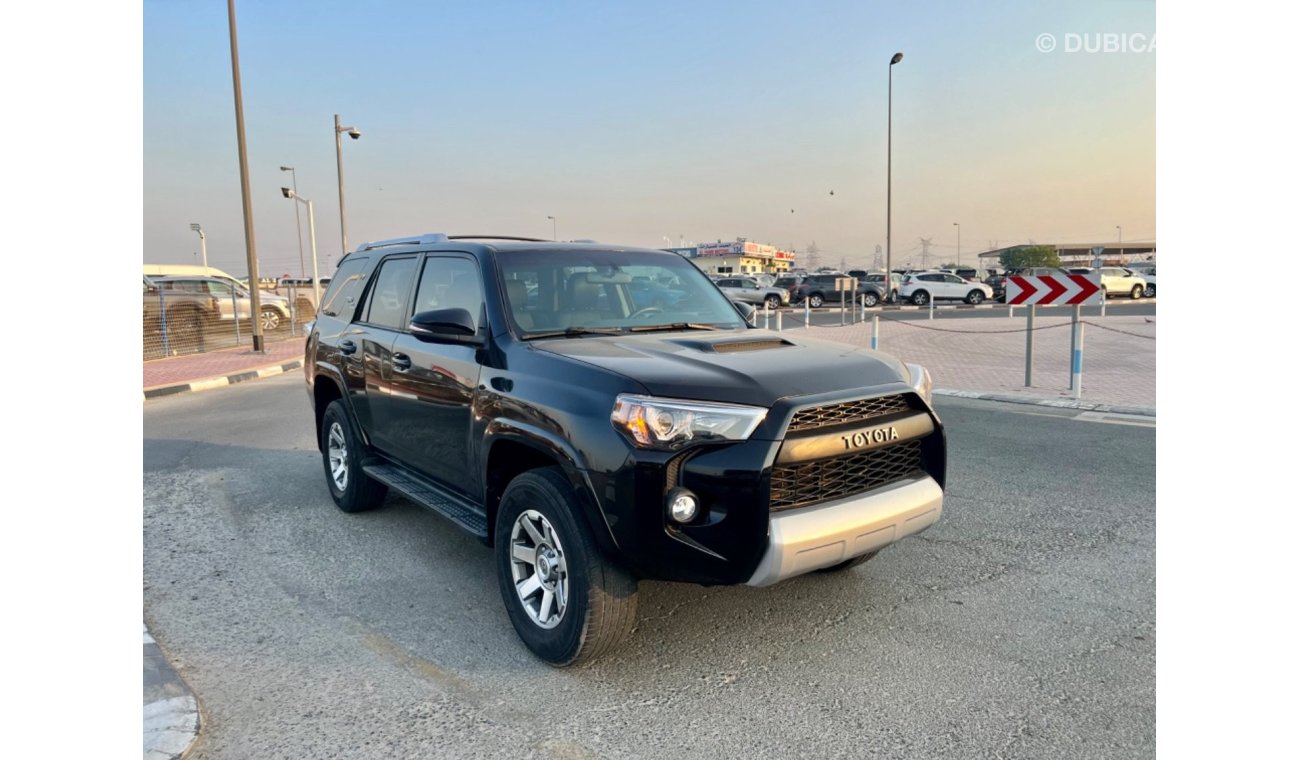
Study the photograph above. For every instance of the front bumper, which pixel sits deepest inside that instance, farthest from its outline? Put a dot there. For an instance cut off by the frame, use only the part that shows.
(803, 540)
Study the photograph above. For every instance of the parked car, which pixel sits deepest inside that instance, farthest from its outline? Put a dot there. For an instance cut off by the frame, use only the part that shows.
(592, 448)
(230, 299)
(789, 283)
(1147, 270)
(923, 287)
(822, 288)
(748, 290)
(896, 284)
(648, 293)
(301, 294)
(1120, 281)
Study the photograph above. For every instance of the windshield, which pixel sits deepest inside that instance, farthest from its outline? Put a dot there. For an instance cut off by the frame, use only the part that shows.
(558, 290)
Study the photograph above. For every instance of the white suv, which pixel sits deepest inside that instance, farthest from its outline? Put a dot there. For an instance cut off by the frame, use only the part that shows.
(922, 287)
(1118, 281)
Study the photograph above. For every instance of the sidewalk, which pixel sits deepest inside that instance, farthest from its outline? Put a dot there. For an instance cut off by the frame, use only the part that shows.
(179, 374)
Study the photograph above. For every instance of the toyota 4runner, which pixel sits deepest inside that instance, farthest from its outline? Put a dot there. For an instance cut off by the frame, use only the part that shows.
(516, 388)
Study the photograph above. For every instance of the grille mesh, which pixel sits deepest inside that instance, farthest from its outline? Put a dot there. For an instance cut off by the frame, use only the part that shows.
(849, 411)
(806, 483)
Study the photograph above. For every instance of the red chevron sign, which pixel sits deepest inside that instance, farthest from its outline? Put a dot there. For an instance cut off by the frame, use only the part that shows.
(1054, 289)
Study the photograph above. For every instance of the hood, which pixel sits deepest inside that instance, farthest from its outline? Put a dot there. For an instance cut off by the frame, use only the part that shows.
(754, 367)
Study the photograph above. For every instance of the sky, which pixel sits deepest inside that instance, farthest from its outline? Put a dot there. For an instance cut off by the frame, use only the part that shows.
(651, 124)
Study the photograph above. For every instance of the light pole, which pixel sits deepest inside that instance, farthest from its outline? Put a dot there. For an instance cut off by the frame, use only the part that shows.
(889, 183)
(203, 241)
(297, 221)
(250, 239)
(1120, 230)
(355, 134)
(292, 194)
(553, 237)
(958, 226)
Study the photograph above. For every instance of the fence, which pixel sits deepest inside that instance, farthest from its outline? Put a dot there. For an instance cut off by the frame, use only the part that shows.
(181, 323)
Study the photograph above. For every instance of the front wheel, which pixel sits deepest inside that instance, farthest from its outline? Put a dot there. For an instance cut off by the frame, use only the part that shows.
(1138, 290)
(870, 299)
(270, 319)
(772, 302)
(567, 601)
(920, 298)
(975, 297)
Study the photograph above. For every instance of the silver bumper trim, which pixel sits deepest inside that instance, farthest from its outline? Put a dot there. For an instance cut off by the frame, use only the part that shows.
(803, 540)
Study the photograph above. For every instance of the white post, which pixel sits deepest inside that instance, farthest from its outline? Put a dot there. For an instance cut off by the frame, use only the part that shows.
(315, 271)
(931, 307)
(1029, 348)
(778, 321)
(807, 312)
(875, 332)
(767, 315)
(1076, 356)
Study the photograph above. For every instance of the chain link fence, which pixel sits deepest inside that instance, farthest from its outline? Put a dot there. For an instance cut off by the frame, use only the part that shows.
(181, 322)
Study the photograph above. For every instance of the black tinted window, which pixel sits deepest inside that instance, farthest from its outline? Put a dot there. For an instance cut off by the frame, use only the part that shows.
(450, 283)
(340, 300)
(387, 304)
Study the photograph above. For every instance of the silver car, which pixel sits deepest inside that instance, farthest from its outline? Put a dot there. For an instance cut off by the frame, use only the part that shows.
(749, 290)
(231, 297)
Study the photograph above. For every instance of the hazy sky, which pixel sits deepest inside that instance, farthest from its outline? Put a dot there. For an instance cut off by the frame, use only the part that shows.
(632, 122)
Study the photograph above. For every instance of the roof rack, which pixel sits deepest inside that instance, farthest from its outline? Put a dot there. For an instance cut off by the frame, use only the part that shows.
(428, 237)
(497, 237)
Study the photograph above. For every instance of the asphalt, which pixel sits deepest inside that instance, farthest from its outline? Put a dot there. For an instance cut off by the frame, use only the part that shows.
(983, 359)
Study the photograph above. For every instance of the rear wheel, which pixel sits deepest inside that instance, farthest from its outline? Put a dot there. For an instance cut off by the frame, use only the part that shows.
(974, 297)
(870, 298)
(920, 298)
(815, 300)
(1151, 291)
(341, 450)
(1137, 292)
(567, 601)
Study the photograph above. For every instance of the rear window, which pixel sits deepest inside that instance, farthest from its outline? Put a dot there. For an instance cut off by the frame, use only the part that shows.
(340, 300)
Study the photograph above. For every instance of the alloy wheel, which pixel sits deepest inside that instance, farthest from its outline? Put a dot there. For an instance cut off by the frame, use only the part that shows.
(337, 450)
(538, 569)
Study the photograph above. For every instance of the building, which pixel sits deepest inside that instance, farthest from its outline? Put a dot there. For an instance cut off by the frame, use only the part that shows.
(739, 257)
(1082, 254)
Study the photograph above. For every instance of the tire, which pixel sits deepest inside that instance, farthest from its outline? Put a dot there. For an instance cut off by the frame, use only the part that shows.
(1138, 290)
(849, 563)
(270, 319)
(920, 298)
(815, 300)
(772, 302)
(870, 299)
(975, 297)
(1150, 291)
(352, 489)
(540, 513)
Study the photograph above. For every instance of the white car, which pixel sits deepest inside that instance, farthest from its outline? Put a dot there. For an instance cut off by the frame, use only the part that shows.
(922, 287)
(1118, 281)
(1148, 273)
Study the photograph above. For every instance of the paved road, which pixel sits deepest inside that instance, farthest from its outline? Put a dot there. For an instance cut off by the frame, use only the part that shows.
(1022, 625)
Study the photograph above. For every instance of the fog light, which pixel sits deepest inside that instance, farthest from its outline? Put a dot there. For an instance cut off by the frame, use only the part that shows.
(682, 505)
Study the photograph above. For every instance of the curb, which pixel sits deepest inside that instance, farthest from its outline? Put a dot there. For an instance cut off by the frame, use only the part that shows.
(1089, 406)
(221, 382)
(171, 717)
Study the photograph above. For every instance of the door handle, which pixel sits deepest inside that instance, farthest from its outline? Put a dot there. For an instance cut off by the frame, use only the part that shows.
(401, 362)
(347, 347)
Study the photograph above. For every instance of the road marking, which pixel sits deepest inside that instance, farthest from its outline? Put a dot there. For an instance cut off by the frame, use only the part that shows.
(1116, 418)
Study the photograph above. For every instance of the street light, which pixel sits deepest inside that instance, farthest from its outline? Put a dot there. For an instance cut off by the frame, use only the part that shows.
(297, 221)
(203, 241)
(958, 226)
(889, 182)
(355, 134)
(292, 194)
(553, 237)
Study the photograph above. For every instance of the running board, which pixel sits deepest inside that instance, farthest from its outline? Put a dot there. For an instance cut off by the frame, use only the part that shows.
(430, 495)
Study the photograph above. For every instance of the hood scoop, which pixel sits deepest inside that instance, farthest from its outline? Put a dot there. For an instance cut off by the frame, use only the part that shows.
(736, 346)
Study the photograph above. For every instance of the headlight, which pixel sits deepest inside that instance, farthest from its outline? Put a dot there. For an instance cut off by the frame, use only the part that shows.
(921, 382)
(656, 423)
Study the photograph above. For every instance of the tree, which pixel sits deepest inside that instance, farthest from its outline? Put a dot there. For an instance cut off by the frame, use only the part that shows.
(1029, 256)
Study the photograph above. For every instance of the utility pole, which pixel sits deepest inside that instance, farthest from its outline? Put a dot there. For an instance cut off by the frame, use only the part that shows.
(925, 253)
(250, 242)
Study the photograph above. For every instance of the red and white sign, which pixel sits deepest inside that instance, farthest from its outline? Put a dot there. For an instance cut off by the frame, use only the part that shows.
(1054, 290)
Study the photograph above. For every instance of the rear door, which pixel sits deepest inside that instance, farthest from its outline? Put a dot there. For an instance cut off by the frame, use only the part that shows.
(384, 315)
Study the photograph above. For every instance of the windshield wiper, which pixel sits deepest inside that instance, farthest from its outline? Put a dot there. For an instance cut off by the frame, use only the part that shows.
(573, 332)
(674, 326)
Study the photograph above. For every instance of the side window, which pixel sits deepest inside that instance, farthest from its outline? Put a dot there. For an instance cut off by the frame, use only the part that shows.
(219, 289)
(952, 278)
(340, 299)
(931, 277)
(450, 283)
(387, 304)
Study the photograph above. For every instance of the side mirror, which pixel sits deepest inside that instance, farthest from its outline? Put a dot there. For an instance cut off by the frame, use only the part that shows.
(442, 324)
(746, 310)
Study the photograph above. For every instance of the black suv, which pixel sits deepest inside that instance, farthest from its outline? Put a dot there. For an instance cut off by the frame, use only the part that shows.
(517, 389)
(818, 289)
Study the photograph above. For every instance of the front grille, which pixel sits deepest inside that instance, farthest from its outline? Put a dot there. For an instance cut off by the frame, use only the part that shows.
(848, 411)
(806, 483)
